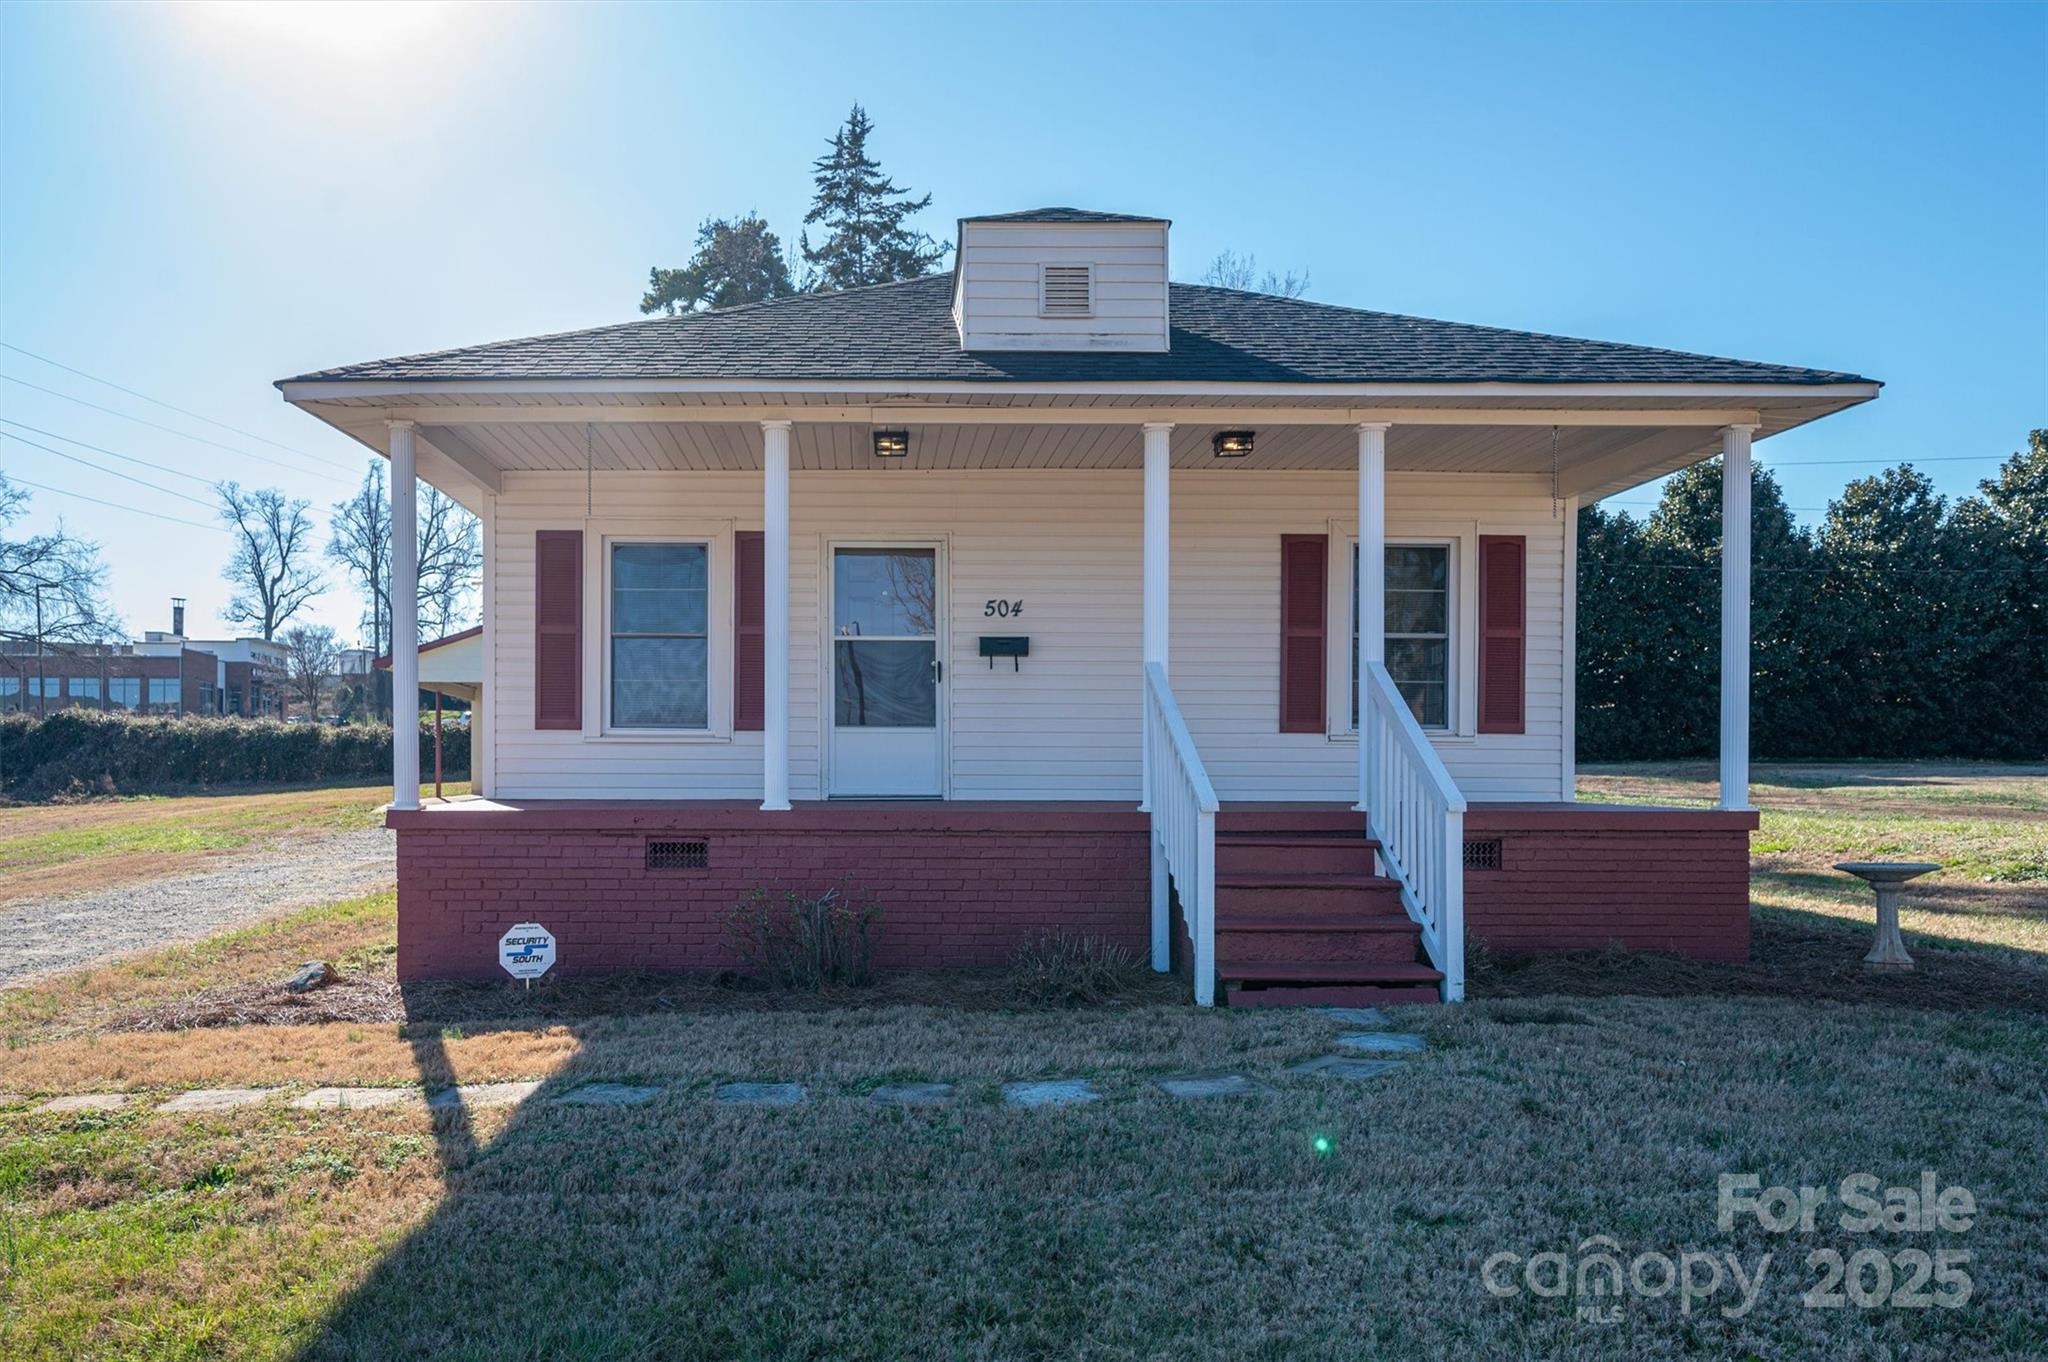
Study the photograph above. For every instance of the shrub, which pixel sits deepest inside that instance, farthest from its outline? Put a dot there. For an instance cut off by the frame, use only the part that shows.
(86, 752)
(1060, 969)
(807, 943)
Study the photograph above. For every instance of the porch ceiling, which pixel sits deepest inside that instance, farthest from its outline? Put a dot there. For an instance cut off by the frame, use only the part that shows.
(466, 448)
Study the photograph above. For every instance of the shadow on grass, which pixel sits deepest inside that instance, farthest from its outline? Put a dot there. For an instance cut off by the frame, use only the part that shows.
(1793, 954)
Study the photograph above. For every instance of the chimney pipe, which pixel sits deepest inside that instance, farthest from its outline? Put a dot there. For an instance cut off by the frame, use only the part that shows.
(178, 616)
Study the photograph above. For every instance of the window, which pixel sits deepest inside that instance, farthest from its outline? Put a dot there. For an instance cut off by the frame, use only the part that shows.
(660, 643)
(10, 692)
(85, 689)
(124, 692)
(1418, 625)
(163, 694)
(234, 699)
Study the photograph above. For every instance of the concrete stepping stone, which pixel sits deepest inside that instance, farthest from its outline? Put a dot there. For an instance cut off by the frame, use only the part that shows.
(1343, 1066)
(608, 1095)
(482, 1095)
(217, 1099)
(354, 1099)
(1355, 1016)
(760, 1094)
(1190, 1086)
(1056, 1092)
(88, 1101)
(912, 1095)
(1383, 1042)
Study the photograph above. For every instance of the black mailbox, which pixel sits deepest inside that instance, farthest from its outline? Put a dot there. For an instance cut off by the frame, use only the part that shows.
(1012, 646)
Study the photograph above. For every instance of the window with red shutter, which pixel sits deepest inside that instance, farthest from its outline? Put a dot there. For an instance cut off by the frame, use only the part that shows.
(1503, 632)
(558, 629)
(749, 618)
(1304, 620)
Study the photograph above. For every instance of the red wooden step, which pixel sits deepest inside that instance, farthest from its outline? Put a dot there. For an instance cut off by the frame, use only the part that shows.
(1287, 938)
(1291, 820)
(1384, 972)
(1240, 854)
(1263, 892)
(1326, 995)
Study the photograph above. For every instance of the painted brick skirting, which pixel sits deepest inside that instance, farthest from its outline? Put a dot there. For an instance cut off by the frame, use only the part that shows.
(954, 891)
(1574, 878)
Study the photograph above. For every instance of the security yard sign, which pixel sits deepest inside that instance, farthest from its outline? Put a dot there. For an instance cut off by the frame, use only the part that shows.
(527, 951)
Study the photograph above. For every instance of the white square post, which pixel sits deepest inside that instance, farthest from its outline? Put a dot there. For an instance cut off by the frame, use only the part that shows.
(405, 616)
(1372, 583)
(775, 615)
(1156, 641)
(1735, 524)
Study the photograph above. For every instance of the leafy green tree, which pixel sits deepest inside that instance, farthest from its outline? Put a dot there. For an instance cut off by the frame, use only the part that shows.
(1999, 552)
(865, 216)
(738, 260)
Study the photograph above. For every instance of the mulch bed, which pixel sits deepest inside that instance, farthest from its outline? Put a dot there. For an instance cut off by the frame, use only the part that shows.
(1788, 959)
(378, 997)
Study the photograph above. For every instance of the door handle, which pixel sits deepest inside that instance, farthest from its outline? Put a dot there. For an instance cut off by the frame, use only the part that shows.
(938, 672)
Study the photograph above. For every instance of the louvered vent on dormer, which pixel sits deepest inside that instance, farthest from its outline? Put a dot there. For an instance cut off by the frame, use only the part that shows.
(1066, 290)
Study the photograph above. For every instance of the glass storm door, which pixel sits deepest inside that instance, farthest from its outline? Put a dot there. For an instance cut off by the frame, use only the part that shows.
(885, 672)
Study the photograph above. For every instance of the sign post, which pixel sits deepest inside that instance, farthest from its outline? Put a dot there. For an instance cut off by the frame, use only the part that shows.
(527, 951)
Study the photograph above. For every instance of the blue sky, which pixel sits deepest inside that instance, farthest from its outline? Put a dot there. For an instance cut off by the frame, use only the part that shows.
(196, 201)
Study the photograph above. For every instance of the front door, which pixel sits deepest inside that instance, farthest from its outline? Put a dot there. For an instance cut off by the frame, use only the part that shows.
(886, 672)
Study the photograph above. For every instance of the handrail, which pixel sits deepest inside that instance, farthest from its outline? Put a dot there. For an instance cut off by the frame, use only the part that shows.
(1415, 810)
(1183, 805)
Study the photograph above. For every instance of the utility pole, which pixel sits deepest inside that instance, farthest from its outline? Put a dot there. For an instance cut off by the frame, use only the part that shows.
(42, 685)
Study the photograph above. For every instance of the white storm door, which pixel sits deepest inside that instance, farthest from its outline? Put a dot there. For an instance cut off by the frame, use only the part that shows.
(886, 672)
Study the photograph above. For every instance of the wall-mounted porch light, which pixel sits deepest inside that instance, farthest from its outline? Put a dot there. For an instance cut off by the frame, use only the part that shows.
(892, 444)
(1232, 444)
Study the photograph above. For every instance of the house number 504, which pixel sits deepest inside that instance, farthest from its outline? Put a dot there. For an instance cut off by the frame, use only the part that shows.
(1003, 609)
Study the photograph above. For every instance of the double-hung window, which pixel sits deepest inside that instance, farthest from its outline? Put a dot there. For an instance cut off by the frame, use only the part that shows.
(659, 635)
(1418, 629)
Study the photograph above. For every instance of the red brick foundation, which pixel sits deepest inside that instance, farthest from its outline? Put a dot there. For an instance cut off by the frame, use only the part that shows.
(959, 885)
(1573, 878)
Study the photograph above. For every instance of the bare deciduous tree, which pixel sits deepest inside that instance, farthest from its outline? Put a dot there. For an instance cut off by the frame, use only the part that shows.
(52, 586)
(272, 570)
(1231, 270)
(312, 658)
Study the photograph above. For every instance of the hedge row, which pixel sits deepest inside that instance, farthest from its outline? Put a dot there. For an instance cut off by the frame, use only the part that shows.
(86, 752)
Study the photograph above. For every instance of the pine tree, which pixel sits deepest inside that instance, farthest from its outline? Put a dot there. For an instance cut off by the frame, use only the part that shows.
(864, 216)
(737, 261)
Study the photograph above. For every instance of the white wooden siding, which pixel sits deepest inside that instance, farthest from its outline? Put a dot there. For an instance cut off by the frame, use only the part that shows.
(996, 299)
(1068, 544)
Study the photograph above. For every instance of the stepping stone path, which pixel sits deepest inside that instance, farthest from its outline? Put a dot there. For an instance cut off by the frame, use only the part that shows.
(87, 1101)
(1383, 1042)
(216, 1099)
(1057, 1092)
(760, 1094)
(608, 1095)
(1355, 1016)
(482, 1095)
(354, 1099)
(912, 1095)
(1339, 1066)
(1189, 1086)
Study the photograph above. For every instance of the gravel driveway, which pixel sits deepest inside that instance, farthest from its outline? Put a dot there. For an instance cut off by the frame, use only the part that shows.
(42, 936)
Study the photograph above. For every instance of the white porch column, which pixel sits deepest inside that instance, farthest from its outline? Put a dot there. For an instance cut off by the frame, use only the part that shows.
(1153, 633)
(1735, 527)
(405, 616)
(775, 615)
(1372, 578)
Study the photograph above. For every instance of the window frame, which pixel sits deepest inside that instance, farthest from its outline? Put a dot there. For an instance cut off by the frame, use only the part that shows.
(1461, 539)
(716, 541)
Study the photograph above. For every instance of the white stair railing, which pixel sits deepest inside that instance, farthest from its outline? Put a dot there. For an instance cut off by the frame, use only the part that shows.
(1183, 805)
(1415, 810)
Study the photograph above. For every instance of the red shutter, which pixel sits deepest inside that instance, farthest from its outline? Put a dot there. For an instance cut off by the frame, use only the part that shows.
(1503, 631)
(749, 616)
(558, 629)
(1304, 618)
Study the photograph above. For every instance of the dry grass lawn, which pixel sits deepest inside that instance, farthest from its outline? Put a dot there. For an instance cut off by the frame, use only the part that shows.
(1134, 1227)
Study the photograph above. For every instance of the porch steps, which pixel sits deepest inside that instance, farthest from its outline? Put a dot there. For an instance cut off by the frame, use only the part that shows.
(1302, 918)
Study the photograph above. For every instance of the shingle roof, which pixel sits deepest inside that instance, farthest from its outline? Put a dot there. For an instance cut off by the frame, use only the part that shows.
(1061, 215)
(905, 332)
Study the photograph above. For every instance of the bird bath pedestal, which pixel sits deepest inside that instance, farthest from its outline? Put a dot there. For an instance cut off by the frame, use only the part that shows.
(1888, 878)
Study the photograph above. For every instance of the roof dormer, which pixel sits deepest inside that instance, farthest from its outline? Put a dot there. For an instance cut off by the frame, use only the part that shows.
(1061, 279)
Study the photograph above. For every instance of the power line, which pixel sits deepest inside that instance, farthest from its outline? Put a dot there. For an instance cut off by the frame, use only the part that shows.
(97, 501)
(1938, 458)
(110, 472)
(115, 454)
(158, 402)
(154, 425)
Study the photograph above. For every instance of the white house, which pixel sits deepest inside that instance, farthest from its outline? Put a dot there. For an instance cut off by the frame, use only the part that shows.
(1026, 597)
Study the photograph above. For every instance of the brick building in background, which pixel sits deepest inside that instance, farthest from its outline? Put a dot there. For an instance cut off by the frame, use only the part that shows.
(162, 673)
